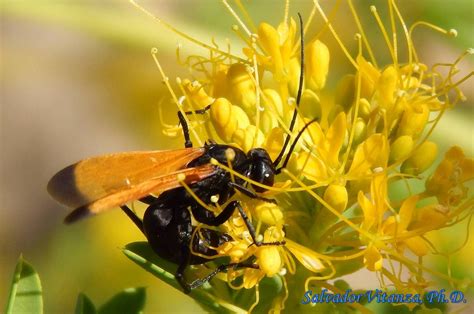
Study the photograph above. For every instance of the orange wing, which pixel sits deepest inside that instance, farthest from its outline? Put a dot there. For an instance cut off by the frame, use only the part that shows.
(96, 184)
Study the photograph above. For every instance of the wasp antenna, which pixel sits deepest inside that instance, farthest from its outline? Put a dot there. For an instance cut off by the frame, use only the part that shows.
(298, 96)
(277, 171)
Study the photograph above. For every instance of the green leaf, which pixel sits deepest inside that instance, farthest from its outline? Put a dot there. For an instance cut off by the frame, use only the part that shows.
(84, 305)
(141, 254)
(26, 295)
(130, 300)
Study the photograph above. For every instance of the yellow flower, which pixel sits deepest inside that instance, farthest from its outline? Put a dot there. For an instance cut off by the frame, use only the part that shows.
(448, 183)
(334, 211)
(397, 226)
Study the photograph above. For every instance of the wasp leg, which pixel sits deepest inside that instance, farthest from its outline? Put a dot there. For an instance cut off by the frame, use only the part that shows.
(187, 139)
(179, 275)
(187, 287)
(199, 111)
(251, 228)
(208, 218)
(250, 193)
(136, 220)
(221, 268)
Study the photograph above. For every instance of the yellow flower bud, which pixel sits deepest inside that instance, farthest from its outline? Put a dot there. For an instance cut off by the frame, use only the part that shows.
(269, 39)
(401, 148)
(248, 138)
(369, 77)
(242, 88)
(345, 91)
(317, 64)
(417, 245)
(413, 122)
(336, 196)
(310, 106)
(386, 87)
(421, 159)
(268, 121)
(223, 119)
(227, 118)
(364, 109)
(242, 118)
(360, 131)
(269, 260)
(269, 213)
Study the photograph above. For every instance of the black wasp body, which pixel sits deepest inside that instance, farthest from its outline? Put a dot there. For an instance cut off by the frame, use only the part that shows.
(167, 221)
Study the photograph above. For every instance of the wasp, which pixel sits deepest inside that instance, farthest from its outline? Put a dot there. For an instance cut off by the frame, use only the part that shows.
(97, 184)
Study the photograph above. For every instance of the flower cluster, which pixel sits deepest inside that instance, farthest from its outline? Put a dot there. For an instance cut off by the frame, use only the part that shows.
(372, 133)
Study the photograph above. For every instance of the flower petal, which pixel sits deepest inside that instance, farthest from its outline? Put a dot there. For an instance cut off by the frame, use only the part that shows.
(372, 259)
(305, 256)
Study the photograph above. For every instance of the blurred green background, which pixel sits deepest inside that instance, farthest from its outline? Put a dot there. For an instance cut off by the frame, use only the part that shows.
(78, 80)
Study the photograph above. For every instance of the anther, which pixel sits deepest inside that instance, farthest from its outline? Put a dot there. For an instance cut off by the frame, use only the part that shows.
(230, 154)
(214, 198)
(453, 32)
(377, 170)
